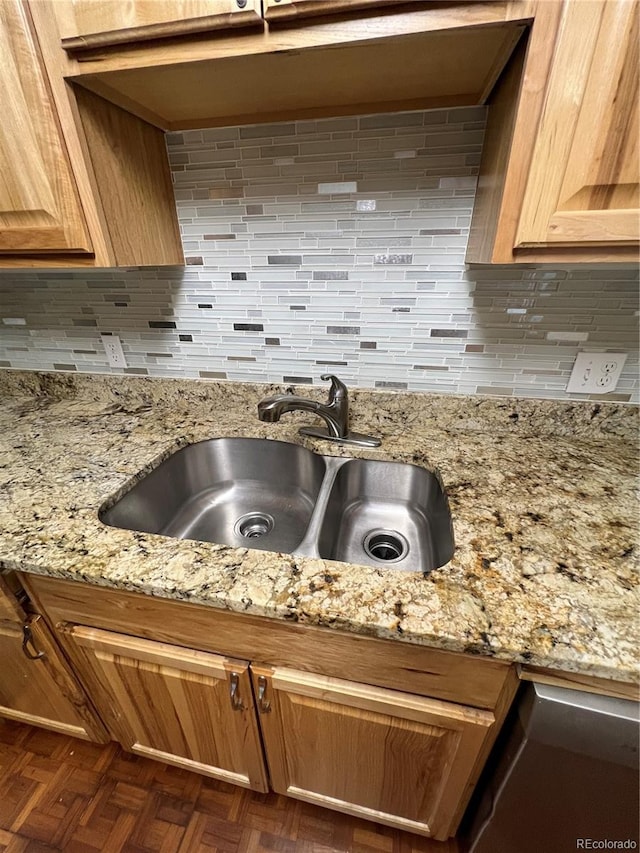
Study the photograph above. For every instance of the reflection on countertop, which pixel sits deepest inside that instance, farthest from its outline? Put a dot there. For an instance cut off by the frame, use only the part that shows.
(543, 498)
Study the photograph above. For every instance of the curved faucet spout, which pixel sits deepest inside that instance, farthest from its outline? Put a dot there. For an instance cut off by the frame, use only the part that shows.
(335, 413)
(271, 410)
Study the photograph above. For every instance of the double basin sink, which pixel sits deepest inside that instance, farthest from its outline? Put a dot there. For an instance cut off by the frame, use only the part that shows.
(276, 496)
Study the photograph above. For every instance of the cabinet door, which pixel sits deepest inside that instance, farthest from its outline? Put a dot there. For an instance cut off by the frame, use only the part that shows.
(584, 181)
(387, 756)
(184, 707)
(37, 685)
(39, 207)
(90, 24)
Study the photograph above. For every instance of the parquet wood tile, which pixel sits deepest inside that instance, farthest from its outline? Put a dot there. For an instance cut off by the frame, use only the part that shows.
(62, 794)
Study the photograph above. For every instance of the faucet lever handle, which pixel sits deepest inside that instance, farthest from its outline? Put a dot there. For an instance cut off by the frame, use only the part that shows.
(338, 390)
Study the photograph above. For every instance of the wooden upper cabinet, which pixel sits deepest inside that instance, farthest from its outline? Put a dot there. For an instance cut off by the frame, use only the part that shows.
(188, 708)
(83, 183)
(379, 754)
(560, 172)
(584, 181)
(39, 207)
(90, 24)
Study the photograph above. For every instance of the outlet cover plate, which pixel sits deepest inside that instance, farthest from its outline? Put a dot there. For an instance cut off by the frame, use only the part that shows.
(113, 349)
(596, 372)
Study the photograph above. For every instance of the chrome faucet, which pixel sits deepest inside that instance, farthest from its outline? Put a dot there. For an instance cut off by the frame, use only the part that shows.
(335, 413)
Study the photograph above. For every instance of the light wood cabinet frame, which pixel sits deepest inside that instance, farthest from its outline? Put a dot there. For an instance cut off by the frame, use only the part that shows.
(295, 11)
(589, 130)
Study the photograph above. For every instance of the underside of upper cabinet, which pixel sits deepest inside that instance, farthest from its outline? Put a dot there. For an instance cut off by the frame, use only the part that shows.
(405, 57)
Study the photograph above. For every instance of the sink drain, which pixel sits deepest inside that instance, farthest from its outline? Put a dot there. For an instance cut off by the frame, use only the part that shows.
(254, 524)
(385, 545)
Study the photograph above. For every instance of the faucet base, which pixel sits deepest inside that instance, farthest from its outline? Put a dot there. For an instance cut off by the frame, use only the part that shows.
(351, 438)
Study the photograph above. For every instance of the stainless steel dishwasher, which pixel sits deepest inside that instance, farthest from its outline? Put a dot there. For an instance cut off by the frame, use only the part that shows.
(565, 777)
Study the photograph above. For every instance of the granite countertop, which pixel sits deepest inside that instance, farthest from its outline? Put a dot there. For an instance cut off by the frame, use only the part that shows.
(542, 494)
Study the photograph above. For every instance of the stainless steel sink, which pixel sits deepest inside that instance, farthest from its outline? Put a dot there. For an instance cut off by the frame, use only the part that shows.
(276, 496)
(386, 514)
(235, 491)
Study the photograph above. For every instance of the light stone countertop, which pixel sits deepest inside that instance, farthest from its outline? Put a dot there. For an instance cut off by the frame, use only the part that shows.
(542, 494)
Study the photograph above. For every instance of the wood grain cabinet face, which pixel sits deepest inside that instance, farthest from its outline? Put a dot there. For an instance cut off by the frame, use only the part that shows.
(584, 181)
(39, 207)
(37, 685)
(187, 708)
(90, 24)
(383, 752)
(382, 755)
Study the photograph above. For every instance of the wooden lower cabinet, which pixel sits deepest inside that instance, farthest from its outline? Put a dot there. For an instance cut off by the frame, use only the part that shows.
(188, 708)
(383, 755)
(384, 730)
(37, 685)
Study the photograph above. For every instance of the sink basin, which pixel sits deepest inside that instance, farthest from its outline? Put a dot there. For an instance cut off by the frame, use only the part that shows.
(242, 492)
(387, 514)
(276, 496)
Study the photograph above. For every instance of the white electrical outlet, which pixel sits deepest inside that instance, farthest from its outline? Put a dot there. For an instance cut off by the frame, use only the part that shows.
(113, 349)
(596, 372)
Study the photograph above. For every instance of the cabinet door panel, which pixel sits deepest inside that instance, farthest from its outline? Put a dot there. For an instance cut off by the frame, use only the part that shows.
(584, 183)
(175, 704)
(42, 691)
(90, 24)
(39, 208)
(348, 746)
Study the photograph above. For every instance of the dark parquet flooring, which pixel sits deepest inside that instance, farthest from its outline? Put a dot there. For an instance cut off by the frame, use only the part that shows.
(62, 794)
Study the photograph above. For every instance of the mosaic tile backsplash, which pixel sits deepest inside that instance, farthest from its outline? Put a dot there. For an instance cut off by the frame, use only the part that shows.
(330, 246)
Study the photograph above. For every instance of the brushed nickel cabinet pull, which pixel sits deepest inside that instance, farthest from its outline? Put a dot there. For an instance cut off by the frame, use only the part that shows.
(236, 701)
(264, 705)
(28, 646)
